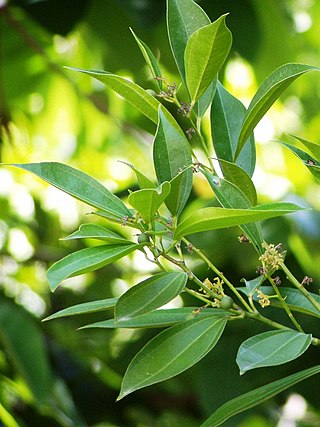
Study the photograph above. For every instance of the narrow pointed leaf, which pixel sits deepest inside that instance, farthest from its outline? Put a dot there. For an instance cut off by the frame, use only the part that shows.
(88, 259)
(270, 90)
(271, 349)
(184, 17)
(160, 318)
(179, 193)
(79, 185)
(213, 218)
(311, 163)
(150, 59)
(230, 196)
(205, 53)
(84, 308)
(227, 115)
(148, 200)
(95, 231)
(311, 146)
(206, 99)
(293, 297)
(149, 295)
(143, 181)
(171, 156)
(253, 284)
(257, 396)
(172, 352)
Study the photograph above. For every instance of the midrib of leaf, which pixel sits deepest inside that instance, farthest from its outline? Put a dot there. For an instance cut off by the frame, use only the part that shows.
(179, 355)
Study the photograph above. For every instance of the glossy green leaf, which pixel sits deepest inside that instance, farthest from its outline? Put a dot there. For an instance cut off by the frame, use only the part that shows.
(172, 352)
(184, 17)
(205, 53)
(95, 231)
(88, 259)
(239, 177)
(312, 164)
(150, 294)
(79, 185)
(84, 308)
(230, 196)
(257, 396)
(159, 318)
(213, 218)
(227, 115)
(150, 59)
(143, 181)
(206, 99)
(178, 194)
(311, 146)
(271, 348)
(270, 90)
(22, 341)
(253, 284)
(293, 297)
(148, 200)
(171, 156)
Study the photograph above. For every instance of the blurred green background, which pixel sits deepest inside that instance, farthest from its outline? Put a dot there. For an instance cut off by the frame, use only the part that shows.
(50, 373)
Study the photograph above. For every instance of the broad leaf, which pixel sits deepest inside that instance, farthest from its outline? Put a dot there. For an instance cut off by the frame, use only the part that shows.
(150, 59)
(172, 352)
(171, 156)
(237, 176)
(257, 396)
(230, 196)
(205, 101)
(213, 218)
(149, 295)
(312, 164)
(160, 318)
(311, 146)
(79, 185)
(21, 338)
(270, 90)
(184, 17)
(205, 53)
(148, 200)
(84, 308)
(271, 349)
(88, 259)
(227, 114)
(95, 231)
(293, 297)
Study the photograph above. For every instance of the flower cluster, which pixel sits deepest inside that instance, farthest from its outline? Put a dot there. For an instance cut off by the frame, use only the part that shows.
(272, 258)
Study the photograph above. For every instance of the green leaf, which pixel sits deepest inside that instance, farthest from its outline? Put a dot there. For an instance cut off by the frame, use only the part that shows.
(213, 218)
(79, 185)
(257, 396)
(311, 146)
(205, 100)
(239, 177)
(171, 156)
(84, 308)
(159, 318)
(88, 259)
(230, 196)
(95, 231)
(271, 348)
(227, 114)
(253, 284)
(293, 297)
(270, 90)
(150, 59)
(312, 164)
(139, 98)
(184, 17)
(148, 200)
(150, 294)
(23, 343)
(172, 352)
(205, 53)
(143, 181)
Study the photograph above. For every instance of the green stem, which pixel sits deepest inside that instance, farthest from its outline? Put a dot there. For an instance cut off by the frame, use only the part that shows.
(284, 304)
(220, 274)
(199, 296)
(300, 287)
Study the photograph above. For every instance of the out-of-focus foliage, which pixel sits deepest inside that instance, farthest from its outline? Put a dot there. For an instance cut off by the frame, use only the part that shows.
(49, 373)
